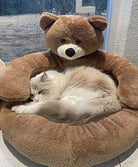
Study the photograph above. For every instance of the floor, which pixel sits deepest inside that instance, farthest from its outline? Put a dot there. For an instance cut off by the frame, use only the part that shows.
(9, 157)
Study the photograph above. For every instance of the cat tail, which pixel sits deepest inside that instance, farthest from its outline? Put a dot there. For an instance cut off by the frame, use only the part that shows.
(60, 113)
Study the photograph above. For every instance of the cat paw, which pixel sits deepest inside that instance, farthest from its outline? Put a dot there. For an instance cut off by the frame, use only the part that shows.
(20, 109)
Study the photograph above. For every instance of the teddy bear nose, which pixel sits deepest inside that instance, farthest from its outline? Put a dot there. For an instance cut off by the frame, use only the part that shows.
(70, 52)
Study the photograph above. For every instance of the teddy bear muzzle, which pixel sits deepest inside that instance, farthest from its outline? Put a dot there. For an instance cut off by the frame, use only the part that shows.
(70, 51)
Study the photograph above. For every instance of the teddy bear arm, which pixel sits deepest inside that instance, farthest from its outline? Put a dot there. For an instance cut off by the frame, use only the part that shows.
(15, 78)
(127, 75)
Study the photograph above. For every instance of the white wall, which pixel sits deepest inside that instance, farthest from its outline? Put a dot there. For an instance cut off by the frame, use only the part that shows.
(123, 38)
(131, 47)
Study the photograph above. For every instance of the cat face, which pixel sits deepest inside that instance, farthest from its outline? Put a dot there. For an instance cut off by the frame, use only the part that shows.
(43, 87)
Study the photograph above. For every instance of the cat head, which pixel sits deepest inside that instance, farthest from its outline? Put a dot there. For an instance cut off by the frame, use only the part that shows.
(43, 86)
(73, 36)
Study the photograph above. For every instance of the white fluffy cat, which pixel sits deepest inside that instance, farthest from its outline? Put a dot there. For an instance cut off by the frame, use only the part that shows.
(75, 96)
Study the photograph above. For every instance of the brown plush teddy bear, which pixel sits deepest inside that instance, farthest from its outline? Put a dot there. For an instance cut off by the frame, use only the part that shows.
(73, 41)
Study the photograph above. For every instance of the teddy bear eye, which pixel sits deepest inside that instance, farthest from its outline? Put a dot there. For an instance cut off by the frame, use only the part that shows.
(78, 42)
(63, 41)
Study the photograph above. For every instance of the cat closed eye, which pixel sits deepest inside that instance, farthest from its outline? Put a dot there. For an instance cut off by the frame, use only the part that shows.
(41, 91)
(31, 96)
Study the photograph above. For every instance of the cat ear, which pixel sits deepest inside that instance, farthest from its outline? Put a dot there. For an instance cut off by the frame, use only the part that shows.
(99, 22)
(44, 77)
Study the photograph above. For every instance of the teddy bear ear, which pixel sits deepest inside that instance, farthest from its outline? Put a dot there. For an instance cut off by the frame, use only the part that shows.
(47, 19)
(99, 22)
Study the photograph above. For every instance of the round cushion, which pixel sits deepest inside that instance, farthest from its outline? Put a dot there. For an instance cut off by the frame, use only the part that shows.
(63, 145)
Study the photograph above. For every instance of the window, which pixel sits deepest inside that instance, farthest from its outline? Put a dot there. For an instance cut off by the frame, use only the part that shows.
(19, 30)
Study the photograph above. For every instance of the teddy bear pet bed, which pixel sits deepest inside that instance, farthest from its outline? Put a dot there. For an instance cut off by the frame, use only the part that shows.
(59, 144)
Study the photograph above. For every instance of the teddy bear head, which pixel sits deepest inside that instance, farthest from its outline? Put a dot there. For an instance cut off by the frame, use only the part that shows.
(73, 36)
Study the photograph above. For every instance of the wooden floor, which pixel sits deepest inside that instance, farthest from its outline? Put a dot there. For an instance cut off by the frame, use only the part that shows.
(9, 157)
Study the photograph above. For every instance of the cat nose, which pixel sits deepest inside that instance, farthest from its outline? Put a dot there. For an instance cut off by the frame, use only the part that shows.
(70, 52)
(36, 100)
